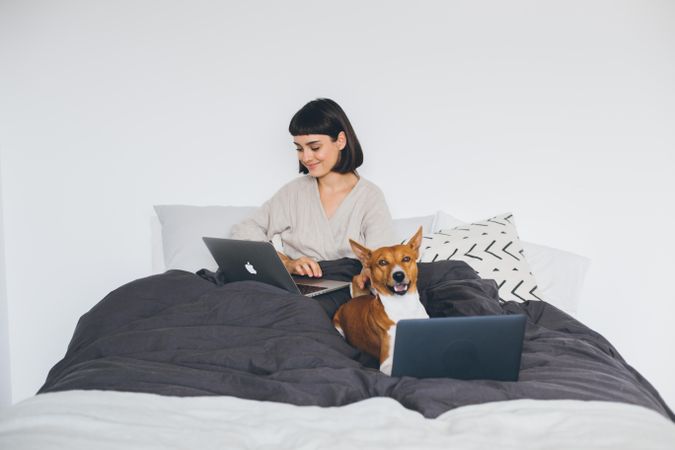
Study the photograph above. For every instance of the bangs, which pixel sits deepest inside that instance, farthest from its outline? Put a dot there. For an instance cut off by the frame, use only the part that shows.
(313, 121)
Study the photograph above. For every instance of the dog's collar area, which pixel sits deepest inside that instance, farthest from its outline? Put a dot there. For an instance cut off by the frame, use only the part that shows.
(399, 288)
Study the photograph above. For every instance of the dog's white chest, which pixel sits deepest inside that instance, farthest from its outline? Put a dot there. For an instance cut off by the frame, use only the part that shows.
(397, 308)
(406, 306)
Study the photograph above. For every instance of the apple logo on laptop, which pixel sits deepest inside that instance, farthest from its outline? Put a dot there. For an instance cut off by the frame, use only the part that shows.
(250, 268)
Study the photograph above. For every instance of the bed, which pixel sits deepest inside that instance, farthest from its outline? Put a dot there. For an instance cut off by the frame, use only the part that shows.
(180, 359)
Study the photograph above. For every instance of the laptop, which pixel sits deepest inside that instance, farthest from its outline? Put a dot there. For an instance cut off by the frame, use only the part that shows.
(254, 260)
(466, 348)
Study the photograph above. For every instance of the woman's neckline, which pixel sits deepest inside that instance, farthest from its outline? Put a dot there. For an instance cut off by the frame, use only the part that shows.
(339, 185)
(342, 202)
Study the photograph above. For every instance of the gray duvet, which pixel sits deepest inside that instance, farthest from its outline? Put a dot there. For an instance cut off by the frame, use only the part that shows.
(185, 334)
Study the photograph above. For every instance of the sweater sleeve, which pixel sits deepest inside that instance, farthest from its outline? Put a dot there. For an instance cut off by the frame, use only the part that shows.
(254, 228)
(268, 220)
(378, 227)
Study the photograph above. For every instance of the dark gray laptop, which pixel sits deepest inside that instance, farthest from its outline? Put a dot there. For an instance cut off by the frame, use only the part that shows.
(467, 348)
(254, 260)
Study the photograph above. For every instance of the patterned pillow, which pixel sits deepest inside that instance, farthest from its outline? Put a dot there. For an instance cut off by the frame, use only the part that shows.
(492, 248)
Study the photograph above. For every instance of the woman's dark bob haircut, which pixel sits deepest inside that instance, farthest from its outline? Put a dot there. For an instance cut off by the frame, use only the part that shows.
(324, 116)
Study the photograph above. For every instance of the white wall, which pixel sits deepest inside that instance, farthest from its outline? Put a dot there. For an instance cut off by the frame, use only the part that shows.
(560, 112)
(5, 380)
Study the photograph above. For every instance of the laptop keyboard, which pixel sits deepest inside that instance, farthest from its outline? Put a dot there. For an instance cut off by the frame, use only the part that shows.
(307, 289)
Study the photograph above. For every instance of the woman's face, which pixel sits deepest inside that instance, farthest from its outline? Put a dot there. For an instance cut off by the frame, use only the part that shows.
(318, 152)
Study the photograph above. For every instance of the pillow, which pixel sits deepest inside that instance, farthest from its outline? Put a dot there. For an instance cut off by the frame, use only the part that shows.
(184, 226)
(560, 274)
(443, 220)
(492, 248)
(406, 227)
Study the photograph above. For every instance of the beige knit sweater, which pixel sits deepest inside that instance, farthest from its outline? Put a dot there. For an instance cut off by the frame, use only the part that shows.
(295, 214)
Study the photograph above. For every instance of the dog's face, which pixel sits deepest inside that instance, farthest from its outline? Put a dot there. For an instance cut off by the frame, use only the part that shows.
(393, 270)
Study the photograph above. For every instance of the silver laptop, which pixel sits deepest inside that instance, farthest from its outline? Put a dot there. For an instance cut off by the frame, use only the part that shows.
(466, 348)
(254, 260)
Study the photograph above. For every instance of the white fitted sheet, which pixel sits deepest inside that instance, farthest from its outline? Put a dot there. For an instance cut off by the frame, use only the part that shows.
(113, 420)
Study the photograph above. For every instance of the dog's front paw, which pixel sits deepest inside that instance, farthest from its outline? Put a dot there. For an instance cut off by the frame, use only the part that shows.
(386, 365)
(386, 368)
(355, 288)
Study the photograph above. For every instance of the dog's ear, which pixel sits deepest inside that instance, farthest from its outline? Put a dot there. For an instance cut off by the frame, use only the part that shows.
(361, 252)
(416, 241)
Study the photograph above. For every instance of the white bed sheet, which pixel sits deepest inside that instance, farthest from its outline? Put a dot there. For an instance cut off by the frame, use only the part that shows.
(113, 420)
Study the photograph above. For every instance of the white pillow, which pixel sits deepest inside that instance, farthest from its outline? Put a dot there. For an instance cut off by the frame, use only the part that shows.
(406, 227)
(443, 220)
(183, 227)
(560, 274)
(492, 248)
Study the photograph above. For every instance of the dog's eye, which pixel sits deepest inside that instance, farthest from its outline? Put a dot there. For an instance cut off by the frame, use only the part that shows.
(406, 259)
(383, 262)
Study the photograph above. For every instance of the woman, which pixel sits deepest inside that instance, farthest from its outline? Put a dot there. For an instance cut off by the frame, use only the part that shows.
(315, 215)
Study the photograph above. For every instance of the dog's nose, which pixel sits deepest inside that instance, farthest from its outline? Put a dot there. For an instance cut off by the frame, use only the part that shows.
(398, 276)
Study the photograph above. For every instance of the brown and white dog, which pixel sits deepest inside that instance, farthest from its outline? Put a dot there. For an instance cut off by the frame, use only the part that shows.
(368, 321)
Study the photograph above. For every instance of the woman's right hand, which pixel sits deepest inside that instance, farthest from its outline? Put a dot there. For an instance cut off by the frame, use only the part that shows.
(303, 266)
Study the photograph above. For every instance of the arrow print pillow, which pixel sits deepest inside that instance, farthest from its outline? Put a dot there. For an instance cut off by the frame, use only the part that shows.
(492, 248)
